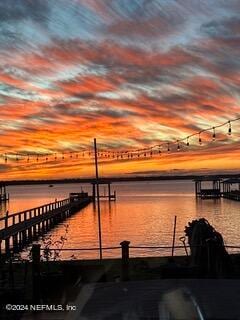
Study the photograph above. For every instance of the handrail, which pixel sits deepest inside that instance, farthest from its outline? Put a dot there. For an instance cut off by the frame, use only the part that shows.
(32, 209)
(81, 249)
(134, 247)
(32, 213)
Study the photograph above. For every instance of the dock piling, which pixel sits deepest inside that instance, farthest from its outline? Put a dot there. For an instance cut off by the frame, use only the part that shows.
(174, 234)
(125, 260)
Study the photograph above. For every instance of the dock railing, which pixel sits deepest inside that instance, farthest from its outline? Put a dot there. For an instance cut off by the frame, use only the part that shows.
(12, 219)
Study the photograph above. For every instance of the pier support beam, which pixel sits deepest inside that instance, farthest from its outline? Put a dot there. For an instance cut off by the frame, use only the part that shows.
(125, 260)
(94, 192)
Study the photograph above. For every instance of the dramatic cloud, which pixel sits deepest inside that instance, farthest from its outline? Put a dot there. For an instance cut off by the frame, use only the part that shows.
(130, 73)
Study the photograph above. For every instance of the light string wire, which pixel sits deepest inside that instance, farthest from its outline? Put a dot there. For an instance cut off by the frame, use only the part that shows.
(118, 154)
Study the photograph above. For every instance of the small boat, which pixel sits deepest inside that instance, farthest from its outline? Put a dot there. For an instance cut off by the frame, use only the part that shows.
(50, 186)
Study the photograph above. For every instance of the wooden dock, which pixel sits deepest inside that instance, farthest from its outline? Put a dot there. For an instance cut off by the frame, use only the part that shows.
(231, 189)
(208, 188)
(19, 229)
(216, 188)
(109, 196)
(4, 196)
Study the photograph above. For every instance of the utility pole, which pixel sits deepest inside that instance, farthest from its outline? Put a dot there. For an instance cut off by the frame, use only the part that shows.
(98, 200)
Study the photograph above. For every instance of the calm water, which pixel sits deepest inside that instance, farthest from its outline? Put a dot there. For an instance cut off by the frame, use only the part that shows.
(142, 214)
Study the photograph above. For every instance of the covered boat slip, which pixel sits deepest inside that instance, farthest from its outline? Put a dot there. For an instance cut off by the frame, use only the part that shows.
(215, 188)
(231, 189)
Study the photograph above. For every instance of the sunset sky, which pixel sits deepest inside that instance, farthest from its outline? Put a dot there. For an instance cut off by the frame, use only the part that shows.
(132, 73)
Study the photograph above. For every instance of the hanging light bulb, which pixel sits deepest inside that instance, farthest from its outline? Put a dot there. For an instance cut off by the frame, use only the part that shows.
(17, 157)
(151, 153)
(55, 157)
(6, 159)
(178, 147)
(214, 134)
(187, 142)
(83, 154)
(159, 150)
(28, 159)
(46, 158)
(70, 154)
(199, 138)
(37, 158)
(168, 147)
(229, 128)
(62, 156)
(76, 155)
(131, 155)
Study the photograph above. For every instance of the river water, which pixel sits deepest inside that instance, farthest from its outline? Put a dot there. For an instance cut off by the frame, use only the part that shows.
(142, 214)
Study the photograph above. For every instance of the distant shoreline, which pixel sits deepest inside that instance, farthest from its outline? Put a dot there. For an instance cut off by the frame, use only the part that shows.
(116, 179)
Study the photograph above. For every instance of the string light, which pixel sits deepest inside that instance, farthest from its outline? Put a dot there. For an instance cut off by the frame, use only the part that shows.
(229, 128)
(123, 154)
(178, 147)
(214, 134)
(199, 138)
(168, 149)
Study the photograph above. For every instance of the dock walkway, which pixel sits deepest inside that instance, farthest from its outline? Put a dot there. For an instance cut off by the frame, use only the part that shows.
(19, 229)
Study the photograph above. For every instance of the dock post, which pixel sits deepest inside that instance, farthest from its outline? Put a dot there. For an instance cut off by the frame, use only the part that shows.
(93, 192)
(36, 271)
(109, 191)
(15, 243)
(98, 199)
(6, 219)
(7, 246)
(125, 260)
(174, 235)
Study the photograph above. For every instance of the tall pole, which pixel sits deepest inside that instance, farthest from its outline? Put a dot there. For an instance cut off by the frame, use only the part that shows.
(98, 201)
(174, 235)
